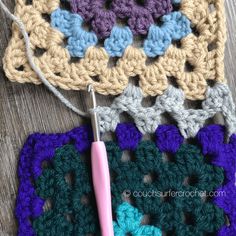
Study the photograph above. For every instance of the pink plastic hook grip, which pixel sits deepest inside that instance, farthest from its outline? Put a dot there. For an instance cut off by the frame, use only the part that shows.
(101, 184)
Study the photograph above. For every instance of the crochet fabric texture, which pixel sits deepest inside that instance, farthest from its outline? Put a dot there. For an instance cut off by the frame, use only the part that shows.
(147, 119)
(104, 43)
(56, 197)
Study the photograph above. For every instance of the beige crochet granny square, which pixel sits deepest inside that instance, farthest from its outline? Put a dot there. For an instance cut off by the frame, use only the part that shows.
(189, 57)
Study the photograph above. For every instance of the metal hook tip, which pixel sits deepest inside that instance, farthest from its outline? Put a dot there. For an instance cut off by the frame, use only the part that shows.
(90, 88)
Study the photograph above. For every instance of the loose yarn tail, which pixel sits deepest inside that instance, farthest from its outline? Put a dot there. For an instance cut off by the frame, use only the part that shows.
(36, 69)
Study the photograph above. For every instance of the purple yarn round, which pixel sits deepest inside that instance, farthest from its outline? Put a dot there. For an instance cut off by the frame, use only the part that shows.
(40, 147)
(128, 136)
(168, 138)
(223, 155)
(103, 18)
(103, 23)
(211, 138)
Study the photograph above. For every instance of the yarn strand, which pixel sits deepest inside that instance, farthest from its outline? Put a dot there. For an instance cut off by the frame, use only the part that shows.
(36, 69)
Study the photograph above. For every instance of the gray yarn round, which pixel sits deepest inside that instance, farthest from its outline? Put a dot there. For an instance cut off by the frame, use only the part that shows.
(147, 119)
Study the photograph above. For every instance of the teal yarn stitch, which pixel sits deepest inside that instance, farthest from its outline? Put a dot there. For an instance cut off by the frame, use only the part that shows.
(168, 213)
(175, 26)
(70, 214)
(65, 198)
(79, 40)
(129, 221)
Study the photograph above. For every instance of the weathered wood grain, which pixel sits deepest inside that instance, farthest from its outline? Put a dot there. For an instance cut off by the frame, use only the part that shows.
(26, 108)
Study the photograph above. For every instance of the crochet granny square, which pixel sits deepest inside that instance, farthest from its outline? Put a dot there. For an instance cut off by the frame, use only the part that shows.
(105, 43)
(166, 186)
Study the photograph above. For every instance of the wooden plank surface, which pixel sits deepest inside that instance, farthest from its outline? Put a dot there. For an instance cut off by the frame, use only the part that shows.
(26, 108)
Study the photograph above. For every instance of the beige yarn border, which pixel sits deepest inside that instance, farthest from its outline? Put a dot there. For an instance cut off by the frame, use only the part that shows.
(203, 50)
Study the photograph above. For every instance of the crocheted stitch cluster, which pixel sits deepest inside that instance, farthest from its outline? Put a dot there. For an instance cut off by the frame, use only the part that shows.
(175, 26)
(164, 165)
(139, 16)
(191, 56)
(147, 119)
(104, 25)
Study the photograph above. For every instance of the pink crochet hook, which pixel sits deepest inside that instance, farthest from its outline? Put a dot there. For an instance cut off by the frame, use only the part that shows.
(100, 173)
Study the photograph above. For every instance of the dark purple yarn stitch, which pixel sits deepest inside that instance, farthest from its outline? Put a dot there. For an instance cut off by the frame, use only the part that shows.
(168, 138)
(223, 155)
(103, 18)
(128, 136)
(40, 147)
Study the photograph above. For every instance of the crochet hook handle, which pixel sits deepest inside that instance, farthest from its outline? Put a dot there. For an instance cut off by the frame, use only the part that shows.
(101, 184)
(101, 174)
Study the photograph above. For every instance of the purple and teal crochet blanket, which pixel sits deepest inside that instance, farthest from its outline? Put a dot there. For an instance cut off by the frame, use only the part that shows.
(160, 186)
(176, 180)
